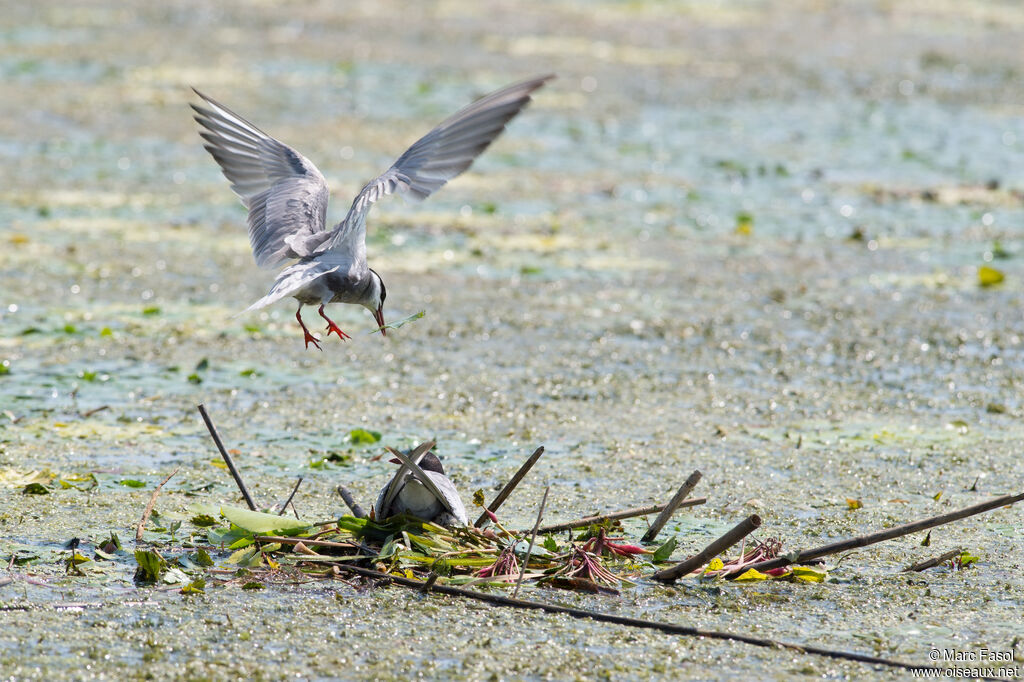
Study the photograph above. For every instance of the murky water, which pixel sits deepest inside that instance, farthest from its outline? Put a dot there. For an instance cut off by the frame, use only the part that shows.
(740, 237)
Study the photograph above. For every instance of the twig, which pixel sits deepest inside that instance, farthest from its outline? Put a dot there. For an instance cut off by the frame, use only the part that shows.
(89, 413)
(888, 534)
(431, 579)
(666, 514)
(309, 542)
(509, 487)
(625, 514)
(227, 459)
(737, 533)
(934, 561)
(350, 501)
(288, 501)
(149, 507)
(533, 538)
(669, 628)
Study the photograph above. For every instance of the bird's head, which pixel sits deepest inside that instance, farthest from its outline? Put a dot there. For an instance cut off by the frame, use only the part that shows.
(375, 299)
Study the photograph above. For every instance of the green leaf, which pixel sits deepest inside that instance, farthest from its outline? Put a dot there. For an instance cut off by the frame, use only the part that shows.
(989, 276)
(402, 322)
(247, 373)
(202, 365)
(248, 557)
(744, 223)
(203, 521)
(966, 559)
(253, 586)
(195, 587)
(959, 425)
(151, 566)
(132, 483)
(808, 574)
(550, 543)
(260, 523)
(226, 536)
(202, 557)
(665, 551)
(195, 378)
(35, 489)
(77, 558)
(478, 498)
(244, 541)
(363, 437)
(151, 310)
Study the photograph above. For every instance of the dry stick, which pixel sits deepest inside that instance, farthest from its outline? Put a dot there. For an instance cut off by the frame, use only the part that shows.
(533, 538)
(669, 628)
(227, 459)
(288, 501)
(625, 514)
(149, 507)
(872, 538)
(740, 531)
(934, 561)
(666, 514)
(509, 487)
(350, 501)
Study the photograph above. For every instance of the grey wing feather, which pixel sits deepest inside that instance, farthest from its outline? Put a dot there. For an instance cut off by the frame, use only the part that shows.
(389, 492)
(428, 483)
(440, 155)
(285, 193)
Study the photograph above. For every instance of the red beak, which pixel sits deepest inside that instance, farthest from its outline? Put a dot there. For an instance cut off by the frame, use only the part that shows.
(379, 316)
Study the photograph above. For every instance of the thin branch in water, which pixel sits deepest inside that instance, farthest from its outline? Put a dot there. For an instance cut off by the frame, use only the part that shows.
(888, 534)
(668, 628)
(934, 561)
(737, 533)
(149, 507)
(614, 516)
(289, 500)
(350, 502)
(685, 489)
(227, 458)
(509, 487)
(89, 413)
(533, 538)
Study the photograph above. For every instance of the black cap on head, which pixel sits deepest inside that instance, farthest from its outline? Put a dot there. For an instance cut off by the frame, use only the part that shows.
(430, 462)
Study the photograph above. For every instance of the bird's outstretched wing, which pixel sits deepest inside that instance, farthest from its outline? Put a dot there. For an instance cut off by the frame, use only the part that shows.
(285, 193)
(438, 156)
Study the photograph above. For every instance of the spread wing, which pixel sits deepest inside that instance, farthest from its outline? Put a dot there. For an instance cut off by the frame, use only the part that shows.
(440, 155)
(285, 193)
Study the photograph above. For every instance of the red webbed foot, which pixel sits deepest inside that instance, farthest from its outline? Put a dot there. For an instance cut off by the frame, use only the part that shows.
(331, 327)
(309, 338)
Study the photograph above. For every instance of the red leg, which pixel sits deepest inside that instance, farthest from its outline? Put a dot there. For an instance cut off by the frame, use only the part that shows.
(331, 327)
(309, 337)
